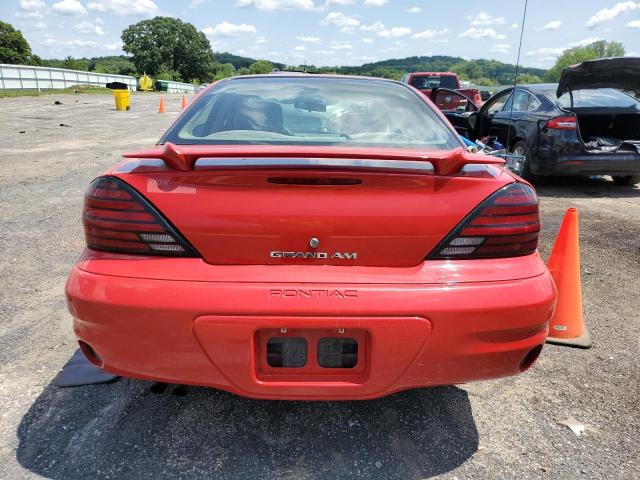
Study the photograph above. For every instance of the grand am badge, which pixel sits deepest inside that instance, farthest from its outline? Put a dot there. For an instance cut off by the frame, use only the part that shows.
(313, 255)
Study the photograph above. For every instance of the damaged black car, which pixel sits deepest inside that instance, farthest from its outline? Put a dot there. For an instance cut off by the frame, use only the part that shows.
(587, 124)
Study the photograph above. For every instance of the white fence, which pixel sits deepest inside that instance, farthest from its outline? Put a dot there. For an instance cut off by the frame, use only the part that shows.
(38, 78)
(179, 87)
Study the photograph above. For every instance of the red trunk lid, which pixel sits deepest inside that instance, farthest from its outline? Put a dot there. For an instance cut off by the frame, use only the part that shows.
(269, 215)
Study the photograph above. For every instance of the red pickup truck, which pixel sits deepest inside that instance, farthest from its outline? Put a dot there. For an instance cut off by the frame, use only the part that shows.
(426, 81)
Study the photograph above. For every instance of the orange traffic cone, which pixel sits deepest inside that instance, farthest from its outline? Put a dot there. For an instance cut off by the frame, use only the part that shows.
(567, 325)
(161, 108)
(184, 102)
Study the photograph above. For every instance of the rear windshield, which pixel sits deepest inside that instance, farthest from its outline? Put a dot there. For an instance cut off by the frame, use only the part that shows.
(598, 98)
(311, 111)
(423, 82)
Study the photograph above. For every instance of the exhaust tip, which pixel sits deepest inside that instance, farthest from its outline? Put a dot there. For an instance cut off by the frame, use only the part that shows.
(530, 358)
(90, 354)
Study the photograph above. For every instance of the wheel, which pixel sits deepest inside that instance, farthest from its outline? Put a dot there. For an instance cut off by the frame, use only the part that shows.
(524, 169)
(518, 167)
(626, 179)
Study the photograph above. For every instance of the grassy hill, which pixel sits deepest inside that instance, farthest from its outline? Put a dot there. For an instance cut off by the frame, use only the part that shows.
(480, 71)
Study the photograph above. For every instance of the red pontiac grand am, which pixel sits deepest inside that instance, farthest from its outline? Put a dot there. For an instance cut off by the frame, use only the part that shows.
(310, 237)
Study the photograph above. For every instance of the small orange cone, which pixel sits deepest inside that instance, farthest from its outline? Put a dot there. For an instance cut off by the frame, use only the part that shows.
(161, 108)
(567, 325)
(184, 102)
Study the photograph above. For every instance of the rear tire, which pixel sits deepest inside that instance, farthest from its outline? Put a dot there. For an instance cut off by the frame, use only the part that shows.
(626, 179)
(519, 148)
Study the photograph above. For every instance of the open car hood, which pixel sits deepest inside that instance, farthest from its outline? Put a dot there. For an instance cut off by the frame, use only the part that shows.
(622, 73)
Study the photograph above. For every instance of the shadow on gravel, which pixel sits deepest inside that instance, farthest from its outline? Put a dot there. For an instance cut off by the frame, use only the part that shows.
(585, 187)
(122, 430)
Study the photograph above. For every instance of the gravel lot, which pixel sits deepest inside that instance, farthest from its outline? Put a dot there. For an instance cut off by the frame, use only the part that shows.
(499, 429)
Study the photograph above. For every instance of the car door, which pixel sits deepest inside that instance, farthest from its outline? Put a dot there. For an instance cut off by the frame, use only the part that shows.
(459, 109)
(486, 114)
(506, 123)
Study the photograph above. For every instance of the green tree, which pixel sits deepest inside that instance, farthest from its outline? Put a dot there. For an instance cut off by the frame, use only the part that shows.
(171, 47)
(225, 70)
(483, 81)
(571, 56)
(261, 66)
(75, 64)
(606, 49)
(115, 64)
(527, 78)
(14, 48)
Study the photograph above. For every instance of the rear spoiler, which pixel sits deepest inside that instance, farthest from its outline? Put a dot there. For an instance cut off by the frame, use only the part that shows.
(184, 157)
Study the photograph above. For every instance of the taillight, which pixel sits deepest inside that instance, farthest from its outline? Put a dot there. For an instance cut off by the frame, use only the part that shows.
(562, 123)
(117, 218)
(505, 225)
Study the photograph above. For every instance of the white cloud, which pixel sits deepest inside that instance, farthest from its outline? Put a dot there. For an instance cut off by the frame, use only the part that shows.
(276, 4)
(91, 28)
(514, 26)
(545, 54)
(72, 44)
(552, 25)
(336, 45)
(226, 29)
(367, 40)
(549, 54)
(585, 41)
(300, 48)
(338, 2)
(308, 39)
(340, 20)
(634, 24)
(431, 34)
(72, 8)
(40, 26)
(31, 5)
(500, 48)
(196, 3)
(413, 10)
(607, 14)
(30, 9)
(125, 8)
(374, 27)
(375, 3)
(476, 33)
(261, 40)
(113, 46)
(394, 32)
(484, 19)
(383, 32)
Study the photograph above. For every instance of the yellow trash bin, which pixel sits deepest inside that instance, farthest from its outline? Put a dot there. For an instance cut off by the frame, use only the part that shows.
(145, 83)
(123, 99)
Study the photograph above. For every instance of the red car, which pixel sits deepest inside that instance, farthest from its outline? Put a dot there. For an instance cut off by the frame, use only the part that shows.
(426, 82)
(310, 237)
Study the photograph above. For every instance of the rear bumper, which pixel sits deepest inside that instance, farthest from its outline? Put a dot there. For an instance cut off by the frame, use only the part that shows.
(583, 163)
(412, 334)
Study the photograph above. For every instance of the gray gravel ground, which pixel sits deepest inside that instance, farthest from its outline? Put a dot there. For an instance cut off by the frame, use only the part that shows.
(499, 429)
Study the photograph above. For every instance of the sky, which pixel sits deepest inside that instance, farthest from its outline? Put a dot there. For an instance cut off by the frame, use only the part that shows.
(337, 32)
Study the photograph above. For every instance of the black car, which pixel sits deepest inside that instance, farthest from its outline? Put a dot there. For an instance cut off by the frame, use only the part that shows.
(585, 125)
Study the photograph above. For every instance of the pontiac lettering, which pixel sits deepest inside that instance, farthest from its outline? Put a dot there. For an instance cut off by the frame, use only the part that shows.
(312, 293)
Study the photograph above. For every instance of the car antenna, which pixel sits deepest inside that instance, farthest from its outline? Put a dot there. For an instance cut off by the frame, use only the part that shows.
(515, 77)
